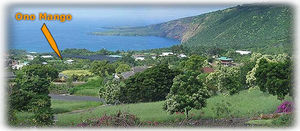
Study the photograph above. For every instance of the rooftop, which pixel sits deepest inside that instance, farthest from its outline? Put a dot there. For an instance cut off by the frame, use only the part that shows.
(225, 58)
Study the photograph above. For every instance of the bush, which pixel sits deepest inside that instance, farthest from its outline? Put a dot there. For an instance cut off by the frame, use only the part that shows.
(121, 119)
(222, 109)
(151, 85)
(111, 92)
(285, 107)
(58, 89)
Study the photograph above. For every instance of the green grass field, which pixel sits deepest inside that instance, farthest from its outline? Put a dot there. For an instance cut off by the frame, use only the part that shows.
(91, 88)
(245, 104)
(76, 72)
(58, 106)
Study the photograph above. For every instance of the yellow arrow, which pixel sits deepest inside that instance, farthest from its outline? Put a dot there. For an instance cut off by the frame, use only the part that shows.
(50, 39)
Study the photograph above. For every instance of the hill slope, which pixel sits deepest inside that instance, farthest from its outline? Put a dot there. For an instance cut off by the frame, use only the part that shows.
(258, 27)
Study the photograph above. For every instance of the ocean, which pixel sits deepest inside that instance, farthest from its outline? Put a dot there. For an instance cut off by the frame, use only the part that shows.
(27, 35)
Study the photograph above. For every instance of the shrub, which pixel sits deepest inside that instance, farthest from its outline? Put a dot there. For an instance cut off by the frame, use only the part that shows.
(285, 107)
(111, 92)
(222, 109)
(121, 119)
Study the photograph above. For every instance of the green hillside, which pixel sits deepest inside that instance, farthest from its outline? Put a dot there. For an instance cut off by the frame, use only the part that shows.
(266, 28)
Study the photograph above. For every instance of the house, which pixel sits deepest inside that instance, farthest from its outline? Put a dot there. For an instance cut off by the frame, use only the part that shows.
(226, 61)
(47, 56)
(166, 53)
(70, 61)
(115, 56)
(12, 62)
(30, 57)
(182, 55)
(133, 71)
(19, 65)
(207, 70)
(243, 52)
(138, 57)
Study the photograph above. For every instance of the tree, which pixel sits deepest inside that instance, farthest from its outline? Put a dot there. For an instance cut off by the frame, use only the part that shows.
(194, 63)
(151, 85)
(226, 80)
(43, 71)
(37, 60)
(123, 68)
(102, 68)
(30, 93)
(177, 49)
(111, 91)
(274, 77)
(186, 93)
(128, 59)
(230, 80)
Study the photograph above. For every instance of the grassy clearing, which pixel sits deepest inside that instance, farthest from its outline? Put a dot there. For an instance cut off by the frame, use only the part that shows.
(60, 106)
(76, 72)
(91, 88)
(245, 104)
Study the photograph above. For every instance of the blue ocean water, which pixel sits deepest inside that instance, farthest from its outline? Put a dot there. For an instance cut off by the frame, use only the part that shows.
(28, 36)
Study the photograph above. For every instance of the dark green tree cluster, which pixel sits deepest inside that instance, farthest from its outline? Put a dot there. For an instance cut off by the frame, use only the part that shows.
(151, 85)
(275, 77)
(30, 93)
(194, 63)
(104, 68)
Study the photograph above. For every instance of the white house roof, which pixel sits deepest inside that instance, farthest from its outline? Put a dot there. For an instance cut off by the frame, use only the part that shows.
(70, 60)
(243, 52)
(46, 56)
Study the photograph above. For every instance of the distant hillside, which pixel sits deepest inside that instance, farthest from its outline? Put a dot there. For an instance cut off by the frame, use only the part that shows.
(265, 28)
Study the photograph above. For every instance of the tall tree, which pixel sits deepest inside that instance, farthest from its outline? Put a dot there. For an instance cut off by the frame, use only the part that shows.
(274, 77)
(186, 93)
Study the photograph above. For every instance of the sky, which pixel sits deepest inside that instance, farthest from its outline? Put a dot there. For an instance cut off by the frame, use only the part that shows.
(144, 14)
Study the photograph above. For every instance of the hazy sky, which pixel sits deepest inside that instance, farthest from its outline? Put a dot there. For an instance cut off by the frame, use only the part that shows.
(148, 14)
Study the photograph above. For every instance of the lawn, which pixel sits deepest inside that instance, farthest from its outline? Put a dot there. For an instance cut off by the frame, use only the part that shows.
(245, 104)
(58, 106)
(91, 88)
(76, 72)
(61, 106)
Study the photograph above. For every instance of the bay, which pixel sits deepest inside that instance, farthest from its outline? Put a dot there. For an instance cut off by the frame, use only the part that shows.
(28, 36)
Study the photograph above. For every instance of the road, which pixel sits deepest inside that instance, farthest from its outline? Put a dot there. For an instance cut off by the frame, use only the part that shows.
(74, 98)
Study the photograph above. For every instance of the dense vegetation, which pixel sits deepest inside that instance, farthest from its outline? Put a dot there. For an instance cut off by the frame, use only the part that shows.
(264, 28)
(151, 85)
(250, 87)
(31, 93)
